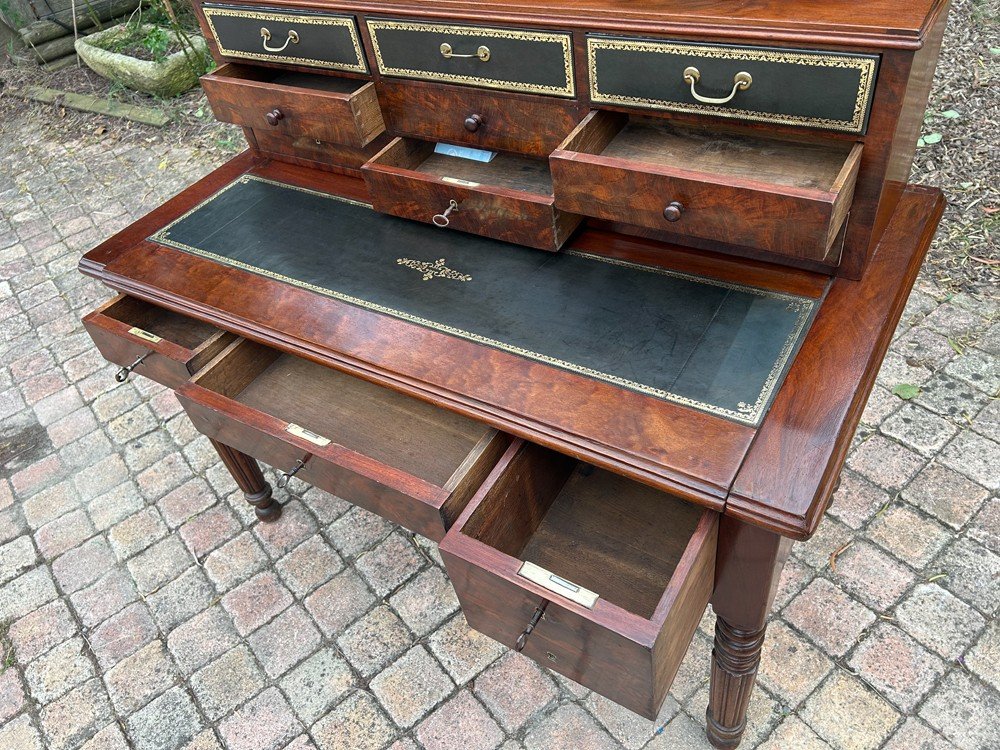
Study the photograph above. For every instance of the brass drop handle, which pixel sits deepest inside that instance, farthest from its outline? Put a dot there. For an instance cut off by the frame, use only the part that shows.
(483, 53)
(265, 35)
(673, 211)
(474, 122)
(442, 220)
(274, 117)
(287, 475)
(535, 619)
(741, 82)
(122, 375)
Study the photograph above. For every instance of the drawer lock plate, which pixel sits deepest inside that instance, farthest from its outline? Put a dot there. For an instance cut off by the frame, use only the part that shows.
(145, 335)
(558, 585)
(302, 432)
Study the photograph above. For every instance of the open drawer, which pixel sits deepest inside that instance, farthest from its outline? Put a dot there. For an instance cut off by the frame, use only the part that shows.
(595, 576)
(162, 345)
(508, 198)
(780, 196)
(406, 460)
(322, 107)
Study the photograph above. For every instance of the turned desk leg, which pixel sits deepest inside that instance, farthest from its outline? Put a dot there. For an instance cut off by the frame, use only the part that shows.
(747, 569)
(249, 478)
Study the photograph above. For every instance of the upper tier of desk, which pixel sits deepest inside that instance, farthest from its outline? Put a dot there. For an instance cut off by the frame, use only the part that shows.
(776, 469)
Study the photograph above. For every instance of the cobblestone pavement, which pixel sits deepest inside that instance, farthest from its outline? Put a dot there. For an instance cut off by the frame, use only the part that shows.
(141, 605)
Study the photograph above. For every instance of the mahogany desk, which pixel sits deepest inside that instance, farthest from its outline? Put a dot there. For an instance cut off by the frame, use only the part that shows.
(615, 371)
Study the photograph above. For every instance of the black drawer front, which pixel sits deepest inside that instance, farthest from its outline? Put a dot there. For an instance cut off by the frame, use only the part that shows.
(323, 40)
(535, 62)
(830, 90)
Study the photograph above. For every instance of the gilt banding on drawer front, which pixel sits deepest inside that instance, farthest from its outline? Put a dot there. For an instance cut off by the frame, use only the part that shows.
(829, 90)
(522, 60)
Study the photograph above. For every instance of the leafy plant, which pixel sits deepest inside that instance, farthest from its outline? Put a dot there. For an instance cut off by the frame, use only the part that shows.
(156, 42)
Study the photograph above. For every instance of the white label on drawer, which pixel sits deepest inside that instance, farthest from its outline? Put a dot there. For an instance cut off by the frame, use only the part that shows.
(558, 585)
(463, 183)
(145, 335)
(302, 432)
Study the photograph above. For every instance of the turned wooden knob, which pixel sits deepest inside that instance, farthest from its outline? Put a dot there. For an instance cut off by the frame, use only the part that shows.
(474, 122)
(673, 211)
(274, 116)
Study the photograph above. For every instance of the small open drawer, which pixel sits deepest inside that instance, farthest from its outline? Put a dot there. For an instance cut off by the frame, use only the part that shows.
(508, 198)
(162, 345)
(323, 107)
(406, 460)
(595, 576)
(780, 196)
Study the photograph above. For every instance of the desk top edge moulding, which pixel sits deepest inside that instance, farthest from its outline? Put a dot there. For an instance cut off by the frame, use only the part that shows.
(625, 270)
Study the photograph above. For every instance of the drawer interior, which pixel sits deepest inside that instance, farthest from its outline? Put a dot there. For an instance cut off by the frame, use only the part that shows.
(787, 163)
(170, 326)
(276, 77)
(410, 435)
(613, 536)
(511, 171)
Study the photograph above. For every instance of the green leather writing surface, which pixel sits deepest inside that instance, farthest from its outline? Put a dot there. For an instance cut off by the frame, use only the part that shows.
(719, 347)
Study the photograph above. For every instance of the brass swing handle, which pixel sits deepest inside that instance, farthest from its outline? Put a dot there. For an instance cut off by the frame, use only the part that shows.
(741, 82)
(265, 35)
(483, 53)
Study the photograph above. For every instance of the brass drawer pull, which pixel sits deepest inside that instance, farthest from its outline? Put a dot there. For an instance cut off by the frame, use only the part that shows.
(483, 53)
(673, 211)
(442, 220)
(293, 37)
(741, 82)
(122, 375)
(535, 619)
(274, 117)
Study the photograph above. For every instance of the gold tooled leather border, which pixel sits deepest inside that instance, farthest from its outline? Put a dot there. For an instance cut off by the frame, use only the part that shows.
(347, 22)
(748, 414)
(564, 39)
(866, 65)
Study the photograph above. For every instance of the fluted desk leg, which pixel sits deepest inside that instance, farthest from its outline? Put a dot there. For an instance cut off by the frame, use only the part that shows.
(250, 479)
(748, 567)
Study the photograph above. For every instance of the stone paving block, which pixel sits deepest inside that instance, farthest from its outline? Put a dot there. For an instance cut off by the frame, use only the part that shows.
(72, 427)
(569, 726)
(163, 476)
(691, 676)
(107, 473)
(227, 682)
(317, 684)
(312, 563)
(389, 564)
(977, 369)
(48, 504)
(210, 529)
(133, 681)
(896, 665)
(160, 564)
(165, 723)
(325, 507)
(21, 734)
(255, 602)
(136, 533)
(828, 616)
(285, 641)
(908, 536)
(109, 738)
(16, 557)
(338, 603)
(205, 740)
(181, 599)
(965, 711)
(59, 670)
(111, 594)
(37, 476)
(357, 723)
(12, 698)
(939, 620)
(202, 638)
(12, 525)
(987, 422)
(374, 640)
(681, 733)
(830, 537)
(951, 398)
(411, 686)
(265, 723)
(356, 531)
(915, 735)
(142, 453)
(976, 457)
(26, 593)
(515, 708)
(460, 724)
(872, 576)
(462, 651)
(794, 734)
(985, 529)
(629, 730)
(63, 534)
(984, 658)
(848, 715)
(235, 561)
(122, 635)
(76, 716)
(82, 565)
(114, 506)
(856, 500)
(185, 502)
(790, 667)
(426, 601)
(919, 429)
(132, 424)
(884, 462)
(40, 630)
(279, 539)
(973, 573)
(945, 494)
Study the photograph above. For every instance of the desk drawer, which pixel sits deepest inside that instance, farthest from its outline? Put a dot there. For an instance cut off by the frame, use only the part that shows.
(406, 460)
(319, 40)
(168, 347)
(509, 198)
(621, 573)
(830, 90)
(779, 196)
(522, 60)
(322, 107)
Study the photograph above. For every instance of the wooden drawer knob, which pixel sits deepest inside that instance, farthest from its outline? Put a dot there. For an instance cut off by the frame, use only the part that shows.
(274, 116)
(474, 122)
(673, 211)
